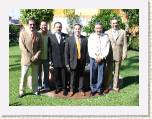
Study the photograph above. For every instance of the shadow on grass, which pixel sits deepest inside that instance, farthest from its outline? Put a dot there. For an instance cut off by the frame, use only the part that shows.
(132, 62)
(130, 80)
(15, 104)
(14, 67)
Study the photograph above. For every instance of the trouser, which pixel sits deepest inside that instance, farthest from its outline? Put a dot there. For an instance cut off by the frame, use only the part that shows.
(60, 76)
(43, 67)
(96, 75)
(116, 74)
(108, 75)
(23, 80)
(77, 78)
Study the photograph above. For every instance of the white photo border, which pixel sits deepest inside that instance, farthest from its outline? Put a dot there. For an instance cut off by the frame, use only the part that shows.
(141, 110)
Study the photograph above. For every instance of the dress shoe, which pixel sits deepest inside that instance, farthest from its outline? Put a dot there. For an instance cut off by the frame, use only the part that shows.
(57, 91)
(92, 94)
(106, 91)
(21, 95)
(37, 93)
(101, 93)
(116, 89)
(65, 93)
(82, 93)
(71, 94)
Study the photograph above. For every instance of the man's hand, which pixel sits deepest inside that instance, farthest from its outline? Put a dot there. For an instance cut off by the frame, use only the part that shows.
(98, 60)
(124, 57)
(68, 67)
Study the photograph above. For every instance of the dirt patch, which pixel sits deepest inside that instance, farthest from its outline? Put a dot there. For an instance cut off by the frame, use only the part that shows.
(77, 95)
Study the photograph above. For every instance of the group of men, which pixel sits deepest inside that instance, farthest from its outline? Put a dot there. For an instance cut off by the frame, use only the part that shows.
(42, 49)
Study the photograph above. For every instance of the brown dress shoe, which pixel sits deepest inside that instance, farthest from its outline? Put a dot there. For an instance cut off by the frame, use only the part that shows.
(116, 89)
(106, 91)
(71, 94)
(82, 93)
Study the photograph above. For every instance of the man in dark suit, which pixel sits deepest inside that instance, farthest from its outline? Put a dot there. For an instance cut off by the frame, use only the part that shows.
(75, 59)
(56, 57)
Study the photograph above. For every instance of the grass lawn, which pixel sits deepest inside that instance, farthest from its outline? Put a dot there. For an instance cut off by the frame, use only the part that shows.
(129, 95)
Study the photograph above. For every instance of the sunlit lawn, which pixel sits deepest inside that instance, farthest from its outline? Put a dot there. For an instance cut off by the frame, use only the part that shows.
(129, 95)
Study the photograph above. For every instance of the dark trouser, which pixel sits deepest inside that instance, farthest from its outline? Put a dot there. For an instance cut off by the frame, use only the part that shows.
(108, 75)
(96, 75)
(76, 77)
(60, 75)
(44, 66)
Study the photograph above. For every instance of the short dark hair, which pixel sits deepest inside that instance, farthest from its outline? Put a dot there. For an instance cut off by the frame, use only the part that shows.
(57, 23)
(31, 19)
(78, 25)
(98, 23)
(114, 18)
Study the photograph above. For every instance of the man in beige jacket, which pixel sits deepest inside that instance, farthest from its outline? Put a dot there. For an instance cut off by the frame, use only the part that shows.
(29, 43)
(118, 53)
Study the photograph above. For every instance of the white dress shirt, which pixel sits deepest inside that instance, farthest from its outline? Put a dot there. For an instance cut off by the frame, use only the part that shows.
(114, 34)
(98, 45)
(58, 36)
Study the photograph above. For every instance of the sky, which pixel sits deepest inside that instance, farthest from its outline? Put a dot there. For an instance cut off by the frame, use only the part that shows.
(14, 13)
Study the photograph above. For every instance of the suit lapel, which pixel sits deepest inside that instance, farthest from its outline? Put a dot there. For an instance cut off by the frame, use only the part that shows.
(55, 39)
(118, 34)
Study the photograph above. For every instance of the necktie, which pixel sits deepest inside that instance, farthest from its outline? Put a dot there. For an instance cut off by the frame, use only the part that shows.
(78, 48)
(33, 37)
(115, 34)
(59, 38)
(98, 46)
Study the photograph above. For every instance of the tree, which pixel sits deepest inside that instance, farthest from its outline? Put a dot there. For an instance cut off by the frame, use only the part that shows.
(133, 16)
(104, 17)
(133, 22)
(13, 33)
(37, 14)
(72, 18)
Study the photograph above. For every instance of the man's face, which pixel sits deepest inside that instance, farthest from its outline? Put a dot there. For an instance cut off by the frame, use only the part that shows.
(114, 24)
(32, 26)
(43, 26)
(98, 29)
(77, 30)
(58, 27)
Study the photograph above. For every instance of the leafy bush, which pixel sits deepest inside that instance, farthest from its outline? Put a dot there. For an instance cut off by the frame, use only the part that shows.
(13, 33)
(134, 43)
(37, 14)
(104, 17)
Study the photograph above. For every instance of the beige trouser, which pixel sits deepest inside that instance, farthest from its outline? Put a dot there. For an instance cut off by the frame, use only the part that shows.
(116, 74)
(23, 80)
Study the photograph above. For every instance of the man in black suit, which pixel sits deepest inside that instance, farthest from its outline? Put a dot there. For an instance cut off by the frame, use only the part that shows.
(56, 57)
(75, 59)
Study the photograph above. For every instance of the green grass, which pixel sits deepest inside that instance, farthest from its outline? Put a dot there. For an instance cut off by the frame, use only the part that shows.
(129, 95)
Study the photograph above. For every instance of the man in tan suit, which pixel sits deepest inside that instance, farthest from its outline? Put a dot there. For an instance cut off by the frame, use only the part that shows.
(118, 41)
(29, 43)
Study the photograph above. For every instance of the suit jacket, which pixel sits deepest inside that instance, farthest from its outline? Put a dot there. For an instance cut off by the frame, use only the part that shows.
(71, 52)
(56, 50)
(119, 46)
(27, 47)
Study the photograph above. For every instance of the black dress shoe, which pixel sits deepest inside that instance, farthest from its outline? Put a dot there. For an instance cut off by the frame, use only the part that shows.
(65, 93)
(92, 94)
(101, 93)
(57, 91)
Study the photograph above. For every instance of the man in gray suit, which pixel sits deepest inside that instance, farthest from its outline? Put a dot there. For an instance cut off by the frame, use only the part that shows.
(75, 59)
(118, 41)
